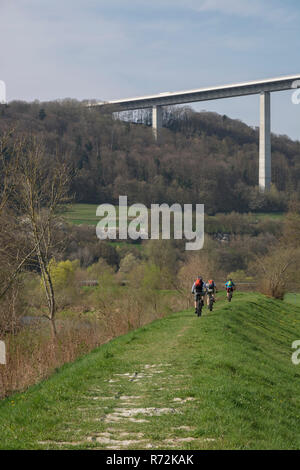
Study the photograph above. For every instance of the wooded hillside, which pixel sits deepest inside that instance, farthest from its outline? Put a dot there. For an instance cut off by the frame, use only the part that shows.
(202, 158)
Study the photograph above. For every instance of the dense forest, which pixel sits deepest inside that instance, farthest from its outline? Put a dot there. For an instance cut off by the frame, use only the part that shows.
(201, 158)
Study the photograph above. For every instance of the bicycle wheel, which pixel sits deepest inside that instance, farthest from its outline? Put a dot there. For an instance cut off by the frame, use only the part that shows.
(199, 308)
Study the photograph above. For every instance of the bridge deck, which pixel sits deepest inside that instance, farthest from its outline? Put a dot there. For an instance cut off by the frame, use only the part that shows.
(204, 94)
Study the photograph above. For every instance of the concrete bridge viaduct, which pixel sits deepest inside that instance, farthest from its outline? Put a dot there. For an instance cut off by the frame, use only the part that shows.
(262, 87)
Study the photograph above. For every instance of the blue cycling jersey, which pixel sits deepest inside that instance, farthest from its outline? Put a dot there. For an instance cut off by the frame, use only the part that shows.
(229, 284)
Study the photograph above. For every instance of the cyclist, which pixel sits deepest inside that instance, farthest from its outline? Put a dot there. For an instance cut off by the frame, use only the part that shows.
(198, 290)
(211, 289)
(230, 286)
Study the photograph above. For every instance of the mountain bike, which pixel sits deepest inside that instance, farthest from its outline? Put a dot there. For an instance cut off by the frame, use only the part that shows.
(200, 304)
(229, 293)
(210, 300)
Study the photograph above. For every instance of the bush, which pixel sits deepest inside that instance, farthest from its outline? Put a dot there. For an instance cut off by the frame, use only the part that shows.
(62, 273)
(276, 270)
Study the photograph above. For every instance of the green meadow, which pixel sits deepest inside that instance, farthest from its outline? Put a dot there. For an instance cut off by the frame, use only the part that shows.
(222, 381)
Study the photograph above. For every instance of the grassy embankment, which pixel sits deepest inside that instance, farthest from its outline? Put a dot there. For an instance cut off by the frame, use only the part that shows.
(293, 299)
(223, 381)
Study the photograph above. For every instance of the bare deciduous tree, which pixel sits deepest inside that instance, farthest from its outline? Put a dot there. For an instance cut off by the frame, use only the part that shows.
(41, 188)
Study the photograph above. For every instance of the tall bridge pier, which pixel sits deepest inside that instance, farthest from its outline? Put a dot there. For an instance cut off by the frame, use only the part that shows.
(265, 142)
(264, 88)
(157, 120)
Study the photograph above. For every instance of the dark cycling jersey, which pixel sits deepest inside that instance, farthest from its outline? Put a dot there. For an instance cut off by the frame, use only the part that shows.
(198, 288)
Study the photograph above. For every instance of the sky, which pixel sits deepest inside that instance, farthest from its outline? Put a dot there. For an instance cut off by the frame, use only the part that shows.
(110, 49)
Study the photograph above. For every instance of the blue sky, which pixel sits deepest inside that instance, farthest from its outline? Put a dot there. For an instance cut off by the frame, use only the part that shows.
(108, 49)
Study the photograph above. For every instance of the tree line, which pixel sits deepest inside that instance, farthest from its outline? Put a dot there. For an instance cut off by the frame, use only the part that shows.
(202, 157)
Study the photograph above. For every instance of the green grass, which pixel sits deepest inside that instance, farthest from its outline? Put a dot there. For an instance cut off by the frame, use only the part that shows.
(79, 214)
(82, 214)
(234, 362)
(86, 214)
(293, 299)
(269, 215)
(261, 215)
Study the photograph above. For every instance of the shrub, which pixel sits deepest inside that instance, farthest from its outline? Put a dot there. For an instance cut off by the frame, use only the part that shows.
(276, 270)
(63, 272)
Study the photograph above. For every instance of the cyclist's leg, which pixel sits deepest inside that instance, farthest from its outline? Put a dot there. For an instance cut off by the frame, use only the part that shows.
(200, 304)
(196, 299)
